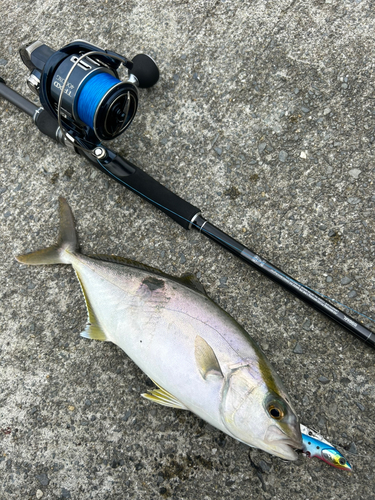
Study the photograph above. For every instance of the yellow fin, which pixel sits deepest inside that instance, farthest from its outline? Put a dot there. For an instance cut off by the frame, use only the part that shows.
(163, 397)
(93, 329)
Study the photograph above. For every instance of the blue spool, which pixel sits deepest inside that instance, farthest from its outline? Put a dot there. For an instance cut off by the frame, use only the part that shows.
(92, 94)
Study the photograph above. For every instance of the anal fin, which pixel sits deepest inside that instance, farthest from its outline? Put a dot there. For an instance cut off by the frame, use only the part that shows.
(93, 332)
(163, 397)
(93, 329)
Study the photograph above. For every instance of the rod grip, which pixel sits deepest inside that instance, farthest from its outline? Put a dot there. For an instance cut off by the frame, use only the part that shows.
(141, 183)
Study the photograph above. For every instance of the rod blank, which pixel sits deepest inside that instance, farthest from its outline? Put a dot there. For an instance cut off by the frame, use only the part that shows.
(17, 99)
(296, 288)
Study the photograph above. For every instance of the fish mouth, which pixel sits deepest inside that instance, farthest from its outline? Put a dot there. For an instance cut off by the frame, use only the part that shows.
(284, 446)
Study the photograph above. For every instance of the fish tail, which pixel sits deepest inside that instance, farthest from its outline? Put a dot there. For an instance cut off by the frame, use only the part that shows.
(67, 242)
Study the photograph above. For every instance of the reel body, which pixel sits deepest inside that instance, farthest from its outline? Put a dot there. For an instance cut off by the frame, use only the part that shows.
(80, 87)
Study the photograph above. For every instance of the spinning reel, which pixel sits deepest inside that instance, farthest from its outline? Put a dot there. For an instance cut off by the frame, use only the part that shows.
(79, 86)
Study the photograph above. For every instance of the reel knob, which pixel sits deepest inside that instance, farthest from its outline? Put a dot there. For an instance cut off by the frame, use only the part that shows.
(144, 70)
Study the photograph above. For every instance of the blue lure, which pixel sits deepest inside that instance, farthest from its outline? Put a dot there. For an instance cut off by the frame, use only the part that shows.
(314, 445)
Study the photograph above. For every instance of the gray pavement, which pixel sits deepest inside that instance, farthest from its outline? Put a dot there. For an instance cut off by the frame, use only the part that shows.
(264, 118)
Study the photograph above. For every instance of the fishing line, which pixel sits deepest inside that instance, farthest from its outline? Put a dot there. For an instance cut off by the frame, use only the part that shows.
(233, 246)
(92, 94)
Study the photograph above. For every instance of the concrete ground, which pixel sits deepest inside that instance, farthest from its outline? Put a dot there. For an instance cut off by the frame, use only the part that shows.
(264, 118)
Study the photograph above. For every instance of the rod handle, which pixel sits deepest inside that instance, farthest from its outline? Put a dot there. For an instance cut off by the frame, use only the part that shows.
(142, 184)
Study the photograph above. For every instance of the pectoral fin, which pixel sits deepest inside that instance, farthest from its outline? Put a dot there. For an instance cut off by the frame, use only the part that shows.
(163, 397)
(206, 360)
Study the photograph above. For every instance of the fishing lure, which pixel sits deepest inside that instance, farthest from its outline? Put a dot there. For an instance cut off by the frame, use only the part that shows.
(314, 445)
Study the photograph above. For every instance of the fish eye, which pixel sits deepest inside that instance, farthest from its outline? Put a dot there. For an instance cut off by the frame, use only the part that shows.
(275, 412)
(342, 461)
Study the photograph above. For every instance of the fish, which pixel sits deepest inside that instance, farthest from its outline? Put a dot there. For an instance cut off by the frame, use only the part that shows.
(197, 355)
(315, 445)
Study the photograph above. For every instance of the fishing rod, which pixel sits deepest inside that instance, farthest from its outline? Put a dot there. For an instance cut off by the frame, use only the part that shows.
(83, 102)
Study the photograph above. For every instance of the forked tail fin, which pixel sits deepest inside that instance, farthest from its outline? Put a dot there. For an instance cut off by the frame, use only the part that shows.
(67, 242)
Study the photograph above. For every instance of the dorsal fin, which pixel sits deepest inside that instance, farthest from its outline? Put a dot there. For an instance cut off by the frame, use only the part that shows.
(192, 282)
(116, 259)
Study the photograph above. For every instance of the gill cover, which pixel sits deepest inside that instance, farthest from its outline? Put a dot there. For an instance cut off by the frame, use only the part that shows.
(239, 386)
(247, 397)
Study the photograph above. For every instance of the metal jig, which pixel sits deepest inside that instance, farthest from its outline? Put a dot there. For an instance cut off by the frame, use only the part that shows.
(314, 445)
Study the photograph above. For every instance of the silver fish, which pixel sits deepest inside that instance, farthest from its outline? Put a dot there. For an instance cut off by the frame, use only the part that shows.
(198, 356)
